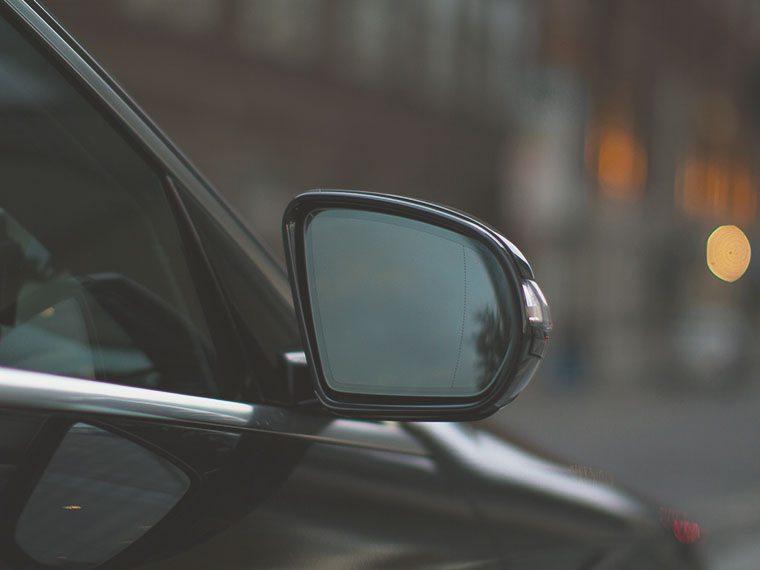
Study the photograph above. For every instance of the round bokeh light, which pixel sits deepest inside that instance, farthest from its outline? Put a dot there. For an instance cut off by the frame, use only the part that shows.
(728, 253)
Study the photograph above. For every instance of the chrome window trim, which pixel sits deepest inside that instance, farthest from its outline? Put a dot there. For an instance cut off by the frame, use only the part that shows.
(27, 390)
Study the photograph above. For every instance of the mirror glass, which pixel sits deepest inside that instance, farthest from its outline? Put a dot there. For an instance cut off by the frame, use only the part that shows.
(405, 308)
(92, 475)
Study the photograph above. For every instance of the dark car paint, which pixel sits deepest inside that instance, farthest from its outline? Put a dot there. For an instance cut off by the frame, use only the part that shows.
(348, 507)
(274, 487)
(373, 497)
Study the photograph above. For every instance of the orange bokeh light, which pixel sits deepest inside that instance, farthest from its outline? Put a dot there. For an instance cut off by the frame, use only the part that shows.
(711, 186)
(621, 163)
(728, 253)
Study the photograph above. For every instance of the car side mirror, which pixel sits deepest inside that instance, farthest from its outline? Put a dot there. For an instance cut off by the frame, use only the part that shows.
(410, 310)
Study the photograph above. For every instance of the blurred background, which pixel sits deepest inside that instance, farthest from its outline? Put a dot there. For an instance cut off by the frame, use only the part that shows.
(609, 139)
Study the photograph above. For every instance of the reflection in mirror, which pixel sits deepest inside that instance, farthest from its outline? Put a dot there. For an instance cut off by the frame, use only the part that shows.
(405, 308)
(92, 475)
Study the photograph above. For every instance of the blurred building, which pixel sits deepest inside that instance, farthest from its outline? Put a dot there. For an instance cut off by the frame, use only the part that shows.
(607, 138)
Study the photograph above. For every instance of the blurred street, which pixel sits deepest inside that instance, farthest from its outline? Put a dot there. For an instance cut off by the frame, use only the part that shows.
(686, 452)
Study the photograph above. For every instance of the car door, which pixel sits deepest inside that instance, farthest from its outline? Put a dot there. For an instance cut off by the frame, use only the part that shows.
(152, 394)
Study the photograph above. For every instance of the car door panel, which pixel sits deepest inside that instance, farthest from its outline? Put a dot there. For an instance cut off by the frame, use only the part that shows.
(279, 490)
(349, 507)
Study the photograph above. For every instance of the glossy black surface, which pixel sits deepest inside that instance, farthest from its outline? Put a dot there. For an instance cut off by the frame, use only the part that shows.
(450, 497)
(93, 474)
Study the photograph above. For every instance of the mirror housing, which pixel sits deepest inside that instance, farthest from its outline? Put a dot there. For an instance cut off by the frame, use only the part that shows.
(409, 310)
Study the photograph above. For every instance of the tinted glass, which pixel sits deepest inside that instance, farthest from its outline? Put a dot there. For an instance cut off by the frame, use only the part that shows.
(93, 277)
(402, 307)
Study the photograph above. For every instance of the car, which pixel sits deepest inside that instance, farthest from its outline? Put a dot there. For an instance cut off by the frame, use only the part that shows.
(171, 397)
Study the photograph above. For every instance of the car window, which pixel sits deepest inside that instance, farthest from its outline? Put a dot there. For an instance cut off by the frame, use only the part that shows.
(94, 281)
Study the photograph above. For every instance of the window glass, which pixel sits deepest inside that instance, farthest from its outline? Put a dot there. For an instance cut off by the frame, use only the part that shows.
(94, 282)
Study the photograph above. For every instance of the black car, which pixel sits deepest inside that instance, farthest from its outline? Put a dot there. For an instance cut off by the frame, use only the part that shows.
(171, 398)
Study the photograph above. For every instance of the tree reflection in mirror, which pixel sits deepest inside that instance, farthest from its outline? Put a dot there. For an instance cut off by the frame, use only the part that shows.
(406, 308)
(96, 476)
